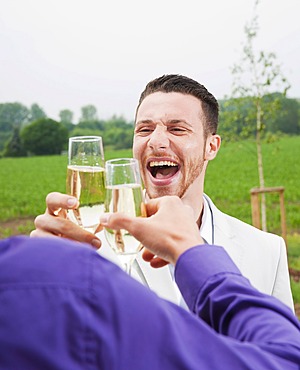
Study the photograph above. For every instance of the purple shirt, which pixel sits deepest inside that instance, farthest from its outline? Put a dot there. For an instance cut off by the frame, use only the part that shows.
(62, 306)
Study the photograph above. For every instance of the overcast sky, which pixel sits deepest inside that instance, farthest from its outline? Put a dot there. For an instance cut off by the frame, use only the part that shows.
(64, 54)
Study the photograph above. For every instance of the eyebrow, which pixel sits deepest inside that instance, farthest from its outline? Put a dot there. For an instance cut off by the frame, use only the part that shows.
(142, 122)
(169, 122)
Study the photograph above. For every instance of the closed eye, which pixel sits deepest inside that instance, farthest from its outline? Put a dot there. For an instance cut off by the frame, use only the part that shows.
(177, 130)
(144, 131)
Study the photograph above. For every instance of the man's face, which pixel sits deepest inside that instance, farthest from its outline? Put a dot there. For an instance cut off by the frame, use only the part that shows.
(169, 143)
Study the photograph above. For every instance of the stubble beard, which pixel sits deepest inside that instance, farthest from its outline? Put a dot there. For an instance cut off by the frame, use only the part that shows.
(192, 172)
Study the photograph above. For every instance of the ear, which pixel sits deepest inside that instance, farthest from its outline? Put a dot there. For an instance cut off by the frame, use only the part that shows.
(213, 143)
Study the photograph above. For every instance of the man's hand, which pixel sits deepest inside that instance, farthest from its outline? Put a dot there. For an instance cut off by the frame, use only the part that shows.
(54, 222)
(168, 231)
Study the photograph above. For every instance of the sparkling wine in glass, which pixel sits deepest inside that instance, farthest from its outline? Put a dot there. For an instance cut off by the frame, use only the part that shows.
(124, 194)
(85, 180)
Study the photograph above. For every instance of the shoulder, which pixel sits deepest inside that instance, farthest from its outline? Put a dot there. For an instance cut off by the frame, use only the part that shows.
(233, 227)
(53, 289)
(46, 261)
(260, 256)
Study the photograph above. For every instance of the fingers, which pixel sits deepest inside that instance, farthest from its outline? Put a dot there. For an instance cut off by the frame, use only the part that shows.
(158, 262)
(147, 255)
(56, 202)
(146, 231)
(167, 232)
(163, 204)
(155, 262)
(48, 225)
(41, 234)
(54, 221)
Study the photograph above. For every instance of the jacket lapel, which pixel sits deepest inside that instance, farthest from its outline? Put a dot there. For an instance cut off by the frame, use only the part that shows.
(224, 235)
(159, 280)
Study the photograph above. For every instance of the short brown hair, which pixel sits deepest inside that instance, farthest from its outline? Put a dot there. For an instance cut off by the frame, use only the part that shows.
(186, 85)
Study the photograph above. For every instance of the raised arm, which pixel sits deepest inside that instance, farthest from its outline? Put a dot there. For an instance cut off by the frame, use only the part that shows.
(257, 330)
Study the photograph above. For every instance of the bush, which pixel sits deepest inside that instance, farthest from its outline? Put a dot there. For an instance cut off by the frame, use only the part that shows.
(44, 137)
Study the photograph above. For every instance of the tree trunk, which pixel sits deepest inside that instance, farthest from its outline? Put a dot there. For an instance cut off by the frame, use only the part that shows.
(260, 167)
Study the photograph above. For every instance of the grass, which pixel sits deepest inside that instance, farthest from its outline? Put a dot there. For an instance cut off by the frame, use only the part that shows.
(25, 182)
(234, 172)
(294, 263)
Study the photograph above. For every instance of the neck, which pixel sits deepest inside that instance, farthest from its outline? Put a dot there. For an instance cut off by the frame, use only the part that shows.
(193, 197)
(197, 205)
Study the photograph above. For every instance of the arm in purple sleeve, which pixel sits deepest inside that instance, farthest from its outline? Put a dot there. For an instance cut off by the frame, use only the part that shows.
(215, 290)
(237, 326)
(62, 306)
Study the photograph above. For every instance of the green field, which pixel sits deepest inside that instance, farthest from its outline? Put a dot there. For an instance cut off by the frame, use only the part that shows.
(25, 182)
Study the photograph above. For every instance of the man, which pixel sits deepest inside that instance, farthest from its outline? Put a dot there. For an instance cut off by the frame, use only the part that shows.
(64, 307)
(175, 138)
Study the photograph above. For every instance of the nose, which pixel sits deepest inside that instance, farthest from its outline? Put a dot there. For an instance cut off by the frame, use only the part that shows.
(159, 139)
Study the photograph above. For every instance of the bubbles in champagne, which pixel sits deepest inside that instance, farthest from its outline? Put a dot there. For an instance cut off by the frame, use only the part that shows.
(86, 183)
(127, 199)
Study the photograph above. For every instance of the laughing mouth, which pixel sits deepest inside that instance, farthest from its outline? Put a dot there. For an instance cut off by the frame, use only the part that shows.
(163, 169)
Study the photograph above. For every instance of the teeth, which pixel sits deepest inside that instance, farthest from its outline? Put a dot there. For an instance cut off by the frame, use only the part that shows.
(162, 163)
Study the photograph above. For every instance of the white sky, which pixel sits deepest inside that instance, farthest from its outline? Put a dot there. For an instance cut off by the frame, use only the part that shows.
(64, 54)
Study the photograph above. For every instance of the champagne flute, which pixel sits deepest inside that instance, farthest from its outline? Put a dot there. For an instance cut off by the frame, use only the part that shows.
(124, 194)
(85, 180)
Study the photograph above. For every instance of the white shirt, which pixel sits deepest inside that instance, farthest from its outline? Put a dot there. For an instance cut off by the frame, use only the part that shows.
(206, 228)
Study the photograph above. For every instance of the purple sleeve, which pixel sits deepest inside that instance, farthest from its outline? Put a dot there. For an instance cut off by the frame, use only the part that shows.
(62, 306)
(215, 290)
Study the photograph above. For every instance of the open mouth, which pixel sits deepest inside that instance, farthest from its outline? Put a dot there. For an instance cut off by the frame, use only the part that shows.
(162, 169)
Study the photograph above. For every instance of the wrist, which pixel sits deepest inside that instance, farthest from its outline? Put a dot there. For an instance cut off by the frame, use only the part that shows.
(186, 245)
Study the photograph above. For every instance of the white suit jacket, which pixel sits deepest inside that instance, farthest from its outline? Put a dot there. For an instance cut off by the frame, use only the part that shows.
(260, 256)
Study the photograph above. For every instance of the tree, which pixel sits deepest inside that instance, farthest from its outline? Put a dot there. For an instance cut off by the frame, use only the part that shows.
(44, 137)
(66, 116)
(254, 76)
(81, 131)
(117, 121)
(237, 120)
(92, 125)
(286, 119)
(238, 117)
(14, 146)
(66, 119)
(88, 113)
(118, 133)
(36, 112)
(12, 115)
